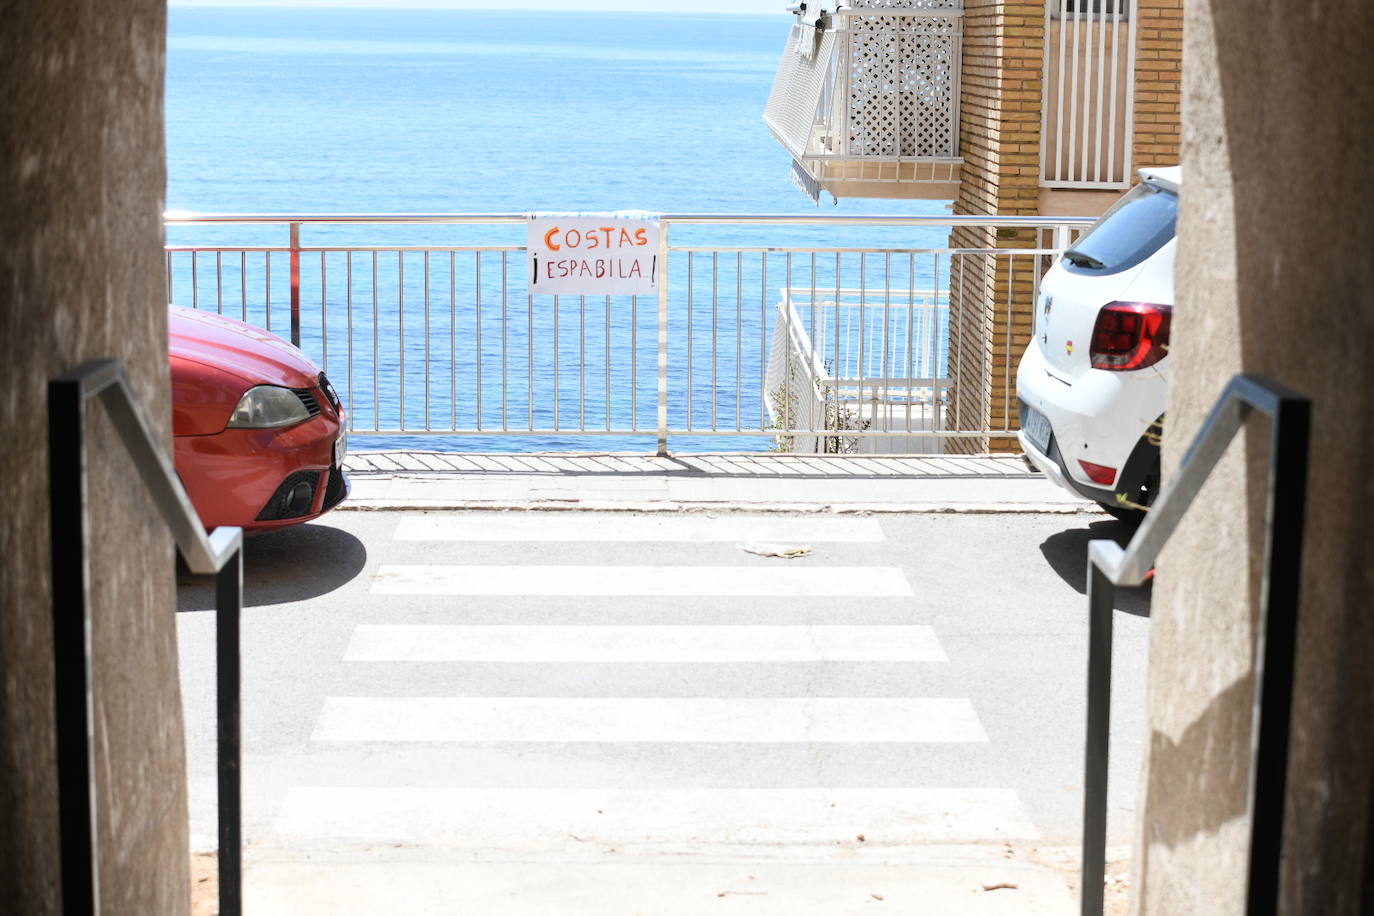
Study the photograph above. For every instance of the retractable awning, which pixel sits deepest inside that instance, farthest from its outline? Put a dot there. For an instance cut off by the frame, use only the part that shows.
(804, 75)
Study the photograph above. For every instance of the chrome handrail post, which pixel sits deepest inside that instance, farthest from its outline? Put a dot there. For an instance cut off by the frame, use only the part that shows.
(295, 255)
(663, 340)
(1061, 237)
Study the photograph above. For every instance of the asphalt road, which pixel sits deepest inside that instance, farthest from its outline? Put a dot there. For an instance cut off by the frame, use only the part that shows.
(560, 687)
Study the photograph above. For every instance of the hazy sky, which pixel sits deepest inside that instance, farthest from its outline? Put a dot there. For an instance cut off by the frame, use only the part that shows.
(644, 6)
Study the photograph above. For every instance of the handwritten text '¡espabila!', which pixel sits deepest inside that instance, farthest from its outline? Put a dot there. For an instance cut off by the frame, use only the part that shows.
(601, 269)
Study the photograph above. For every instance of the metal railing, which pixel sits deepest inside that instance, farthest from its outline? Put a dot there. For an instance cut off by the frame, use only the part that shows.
(1089, 94)
(875, 366)
(438, 333)
(1110, 566)
(219, 554)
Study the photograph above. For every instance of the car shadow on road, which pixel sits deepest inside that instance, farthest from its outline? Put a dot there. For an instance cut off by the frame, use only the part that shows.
(291, 564)
(1067, 554)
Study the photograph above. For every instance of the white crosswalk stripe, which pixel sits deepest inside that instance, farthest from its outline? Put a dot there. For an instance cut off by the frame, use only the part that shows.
(732, 719)
(611, 581)
(611, 527)
(683, 644)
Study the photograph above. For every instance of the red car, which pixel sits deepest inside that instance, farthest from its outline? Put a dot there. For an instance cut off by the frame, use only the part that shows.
(259, 433)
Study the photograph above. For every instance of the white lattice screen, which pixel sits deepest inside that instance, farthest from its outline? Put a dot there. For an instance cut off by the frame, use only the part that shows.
(903, 80)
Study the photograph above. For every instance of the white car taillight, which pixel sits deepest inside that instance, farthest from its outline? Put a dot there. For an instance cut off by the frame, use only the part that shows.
(1130, 335)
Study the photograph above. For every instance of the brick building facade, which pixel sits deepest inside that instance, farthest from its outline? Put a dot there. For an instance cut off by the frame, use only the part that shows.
(1057, 103)
(1008, 55)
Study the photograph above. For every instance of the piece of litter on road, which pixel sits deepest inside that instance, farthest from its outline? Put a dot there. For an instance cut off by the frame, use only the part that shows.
(786, 551)
(1000, 886)
(876, 896)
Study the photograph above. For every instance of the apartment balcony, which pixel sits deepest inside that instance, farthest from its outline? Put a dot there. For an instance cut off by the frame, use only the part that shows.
(866, 98)
(871, 367)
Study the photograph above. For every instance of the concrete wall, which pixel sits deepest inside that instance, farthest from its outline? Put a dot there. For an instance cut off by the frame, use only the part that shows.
(82, 179)
(1276, 276)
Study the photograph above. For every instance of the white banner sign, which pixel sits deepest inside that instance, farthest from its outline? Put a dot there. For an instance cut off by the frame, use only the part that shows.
(599, 254)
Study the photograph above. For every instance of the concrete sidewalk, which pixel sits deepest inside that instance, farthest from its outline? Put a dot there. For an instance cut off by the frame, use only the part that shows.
(744, 482)
(967, 881)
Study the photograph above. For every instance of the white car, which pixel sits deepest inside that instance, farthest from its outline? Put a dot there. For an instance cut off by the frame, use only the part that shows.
(1093, 380)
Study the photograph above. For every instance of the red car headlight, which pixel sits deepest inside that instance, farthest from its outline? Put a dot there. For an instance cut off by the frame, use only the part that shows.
(268, 406)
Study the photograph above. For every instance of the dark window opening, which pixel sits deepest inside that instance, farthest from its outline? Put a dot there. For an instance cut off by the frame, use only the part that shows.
(1060, 9)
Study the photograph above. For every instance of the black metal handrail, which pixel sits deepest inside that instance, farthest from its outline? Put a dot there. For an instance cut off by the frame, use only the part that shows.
(1110, 566)
(219, 554)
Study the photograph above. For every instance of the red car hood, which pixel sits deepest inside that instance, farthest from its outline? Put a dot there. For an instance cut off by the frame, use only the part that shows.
(251, 354)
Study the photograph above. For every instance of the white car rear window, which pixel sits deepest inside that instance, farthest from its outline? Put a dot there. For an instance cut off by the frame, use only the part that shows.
(1136, 227)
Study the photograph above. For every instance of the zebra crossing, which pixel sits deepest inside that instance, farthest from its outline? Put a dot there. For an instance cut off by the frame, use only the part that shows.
(425, 776)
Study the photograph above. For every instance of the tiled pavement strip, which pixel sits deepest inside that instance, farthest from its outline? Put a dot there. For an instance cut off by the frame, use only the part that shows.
(748, 482)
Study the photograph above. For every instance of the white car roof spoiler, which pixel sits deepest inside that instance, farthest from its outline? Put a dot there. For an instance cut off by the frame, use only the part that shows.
(1169, 179)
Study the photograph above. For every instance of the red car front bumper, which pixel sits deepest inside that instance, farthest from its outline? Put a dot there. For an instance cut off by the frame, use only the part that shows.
(257, 478)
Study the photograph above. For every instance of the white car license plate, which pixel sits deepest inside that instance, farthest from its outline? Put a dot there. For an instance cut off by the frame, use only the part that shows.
(340, 449)
(1037, 428)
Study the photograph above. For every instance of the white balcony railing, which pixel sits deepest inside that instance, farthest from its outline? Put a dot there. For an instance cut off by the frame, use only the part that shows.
(866, 99)
(860, 360)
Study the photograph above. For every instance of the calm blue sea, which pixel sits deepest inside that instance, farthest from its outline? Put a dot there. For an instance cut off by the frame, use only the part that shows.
(393, 111)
